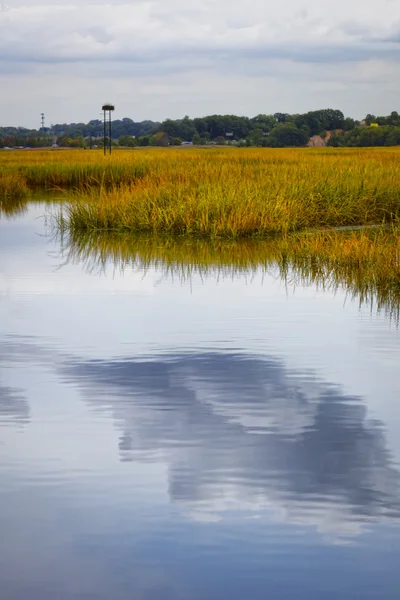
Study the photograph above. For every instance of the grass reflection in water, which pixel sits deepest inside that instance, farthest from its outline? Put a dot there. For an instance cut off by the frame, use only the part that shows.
(365, 263)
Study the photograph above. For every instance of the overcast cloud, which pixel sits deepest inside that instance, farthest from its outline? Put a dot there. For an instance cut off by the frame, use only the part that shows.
(167, 58)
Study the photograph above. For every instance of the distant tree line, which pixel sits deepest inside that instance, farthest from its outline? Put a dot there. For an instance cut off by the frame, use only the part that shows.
(277, 130)
(375, 131)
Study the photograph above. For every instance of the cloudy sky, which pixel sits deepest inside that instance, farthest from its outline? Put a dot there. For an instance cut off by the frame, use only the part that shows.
(167, 58)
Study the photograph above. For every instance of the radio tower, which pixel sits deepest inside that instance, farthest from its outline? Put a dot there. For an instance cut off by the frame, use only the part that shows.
(42, 119)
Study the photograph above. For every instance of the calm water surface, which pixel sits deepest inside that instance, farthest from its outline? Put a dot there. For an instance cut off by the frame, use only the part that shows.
(218, 437)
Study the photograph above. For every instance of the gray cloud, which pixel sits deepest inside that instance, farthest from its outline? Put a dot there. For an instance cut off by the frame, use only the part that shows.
(188, 50)
(152, 32)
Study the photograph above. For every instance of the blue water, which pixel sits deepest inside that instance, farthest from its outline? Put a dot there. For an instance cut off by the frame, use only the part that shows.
(225, 436)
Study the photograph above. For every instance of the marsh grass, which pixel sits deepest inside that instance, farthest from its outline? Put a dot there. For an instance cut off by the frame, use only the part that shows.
(12, 185)
(72, 169)
(366, 264)
(229, 193)
(237, 193)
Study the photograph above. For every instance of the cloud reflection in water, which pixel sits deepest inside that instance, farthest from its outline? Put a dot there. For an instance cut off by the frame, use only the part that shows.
(14, 406)
(243, 432)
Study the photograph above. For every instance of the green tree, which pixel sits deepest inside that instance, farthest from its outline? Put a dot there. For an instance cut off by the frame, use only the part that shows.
(144, 140)
(287, 134)
(159, 139)
(127, 141)
(282, 117)
(349, 124)
(393, 137)
(171, 128)
(200, 125)
(394, 118)
(256, 136)
(186, 129)
(197, 139)
(370, 119)
(264, 122)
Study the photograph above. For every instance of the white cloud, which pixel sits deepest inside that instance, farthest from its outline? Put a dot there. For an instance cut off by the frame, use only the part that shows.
(138, 31)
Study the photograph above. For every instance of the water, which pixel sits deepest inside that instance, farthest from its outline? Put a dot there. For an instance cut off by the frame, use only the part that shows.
(205, 437)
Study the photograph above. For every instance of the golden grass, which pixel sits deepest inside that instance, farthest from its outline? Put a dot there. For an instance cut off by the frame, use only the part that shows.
(66, 169)
(243, 192)
(217, 192)
(12, 185)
